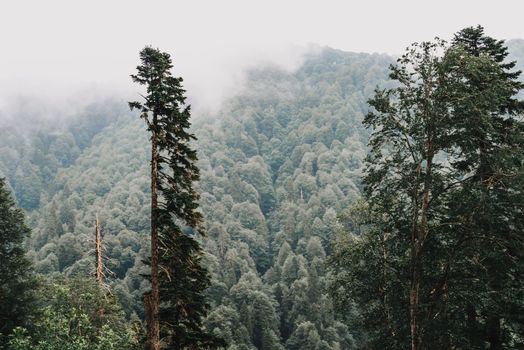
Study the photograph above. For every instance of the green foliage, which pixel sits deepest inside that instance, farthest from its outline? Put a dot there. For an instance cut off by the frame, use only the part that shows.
(492, 304)
(183, 279)
(75, 315)
(16, 279)
(37, 146)
(277, 163)
(442, 219)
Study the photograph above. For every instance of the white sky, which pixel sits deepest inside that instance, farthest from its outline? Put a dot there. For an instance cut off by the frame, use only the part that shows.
(56, 48)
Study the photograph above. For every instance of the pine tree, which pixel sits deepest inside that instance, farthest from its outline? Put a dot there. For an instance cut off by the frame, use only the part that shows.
(16, 280)
(497, 140)
(176, 305)
(444, 171)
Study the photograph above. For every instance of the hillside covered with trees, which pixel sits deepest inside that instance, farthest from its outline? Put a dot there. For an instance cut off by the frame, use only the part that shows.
(282, 169)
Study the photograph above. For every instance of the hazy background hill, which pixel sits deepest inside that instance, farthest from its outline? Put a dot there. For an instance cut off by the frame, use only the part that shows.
(279, 162)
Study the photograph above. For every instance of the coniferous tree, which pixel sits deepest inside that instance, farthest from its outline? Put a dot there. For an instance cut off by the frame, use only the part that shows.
(445, 147)
(176, 305)
(493, 194)
(16, 281)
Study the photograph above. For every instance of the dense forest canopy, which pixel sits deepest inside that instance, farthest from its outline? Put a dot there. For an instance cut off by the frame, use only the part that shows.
(279, 163)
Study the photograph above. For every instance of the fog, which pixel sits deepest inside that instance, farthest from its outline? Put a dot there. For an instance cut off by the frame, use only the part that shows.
(67, 53)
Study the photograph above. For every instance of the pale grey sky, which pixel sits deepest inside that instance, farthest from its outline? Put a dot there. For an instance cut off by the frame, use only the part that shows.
(60, 48)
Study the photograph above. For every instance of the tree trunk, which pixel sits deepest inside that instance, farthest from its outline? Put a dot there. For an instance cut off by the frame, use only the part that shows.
(494, 338)
(98, 249)
(413, 307)
(152, 299)
(416, 252)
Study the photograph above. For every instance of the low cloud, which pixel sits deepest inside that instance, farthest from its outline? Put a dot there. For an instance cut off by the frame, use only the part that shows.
(211, 75)
(68, 53)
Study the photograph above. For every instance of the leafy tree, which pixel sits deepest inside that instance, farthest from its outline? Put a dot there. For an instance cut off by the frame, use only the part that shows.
(16, 280)
(76, 315)
(178, 280)
(257, 312)
(434, 135)
(305, 337)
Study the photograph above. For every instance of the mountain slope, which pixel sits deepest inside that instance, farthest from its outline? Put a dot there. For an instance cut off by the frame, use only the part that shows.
(278, 163)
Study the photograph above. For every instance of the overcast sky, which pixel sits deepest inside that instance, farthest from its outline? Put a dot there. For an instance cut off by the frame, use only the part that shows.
(59, 48)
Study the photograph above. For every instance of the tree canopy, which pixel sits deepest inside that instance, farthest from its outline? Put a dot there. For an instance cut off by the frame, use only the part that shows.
(442, 216)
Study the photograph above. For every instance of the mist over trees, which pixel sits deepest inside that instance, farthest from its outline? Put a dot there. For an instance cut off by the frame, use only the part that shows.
(308, 230)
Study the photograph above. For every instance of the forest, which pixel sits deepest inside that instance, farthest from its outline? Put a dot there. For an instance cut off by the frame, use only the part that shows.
(361, 201)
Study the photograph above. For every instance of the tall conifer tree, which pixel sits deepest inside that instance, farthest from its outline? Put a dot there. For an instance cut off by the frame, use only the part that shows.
(444, 188)
(494, 195)
(176, 305)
